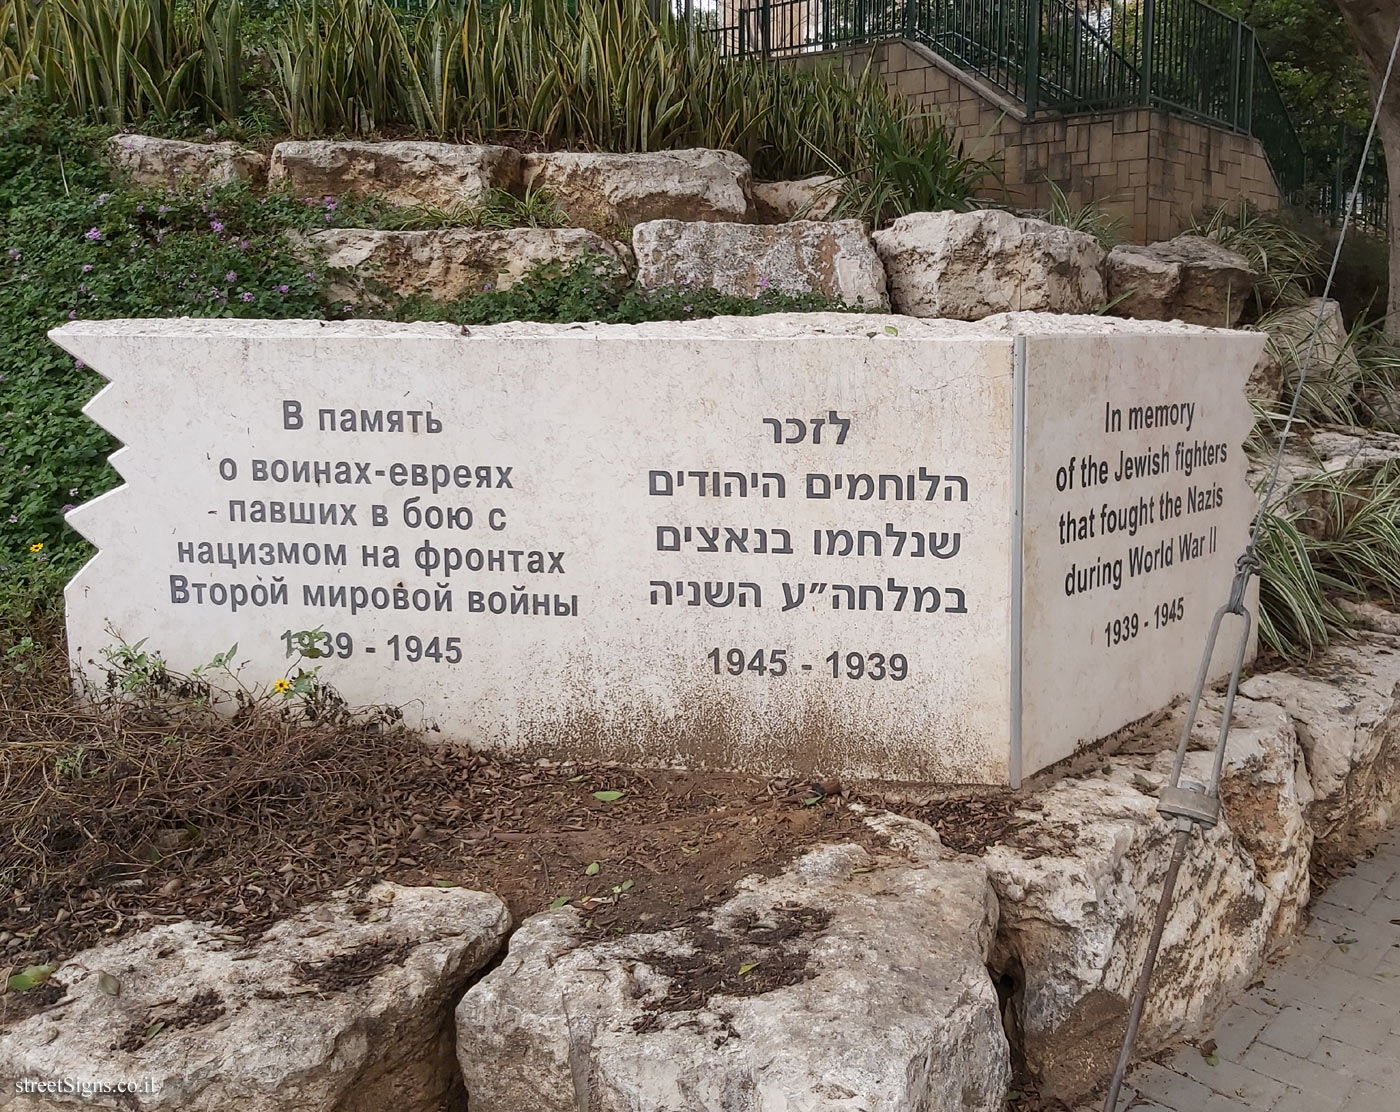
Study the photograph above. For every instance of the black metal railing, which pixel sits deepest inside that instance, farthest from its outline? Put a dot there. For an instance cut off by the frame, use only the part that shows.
(1066, 55)
(1334, 186)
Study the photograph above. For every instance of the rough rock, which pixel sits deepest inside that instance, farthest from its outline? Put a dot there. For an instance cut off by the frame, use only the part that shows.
(346, 1006)
(832, 258)
(1188, 278)
(849, 981)
(434, 175)
(172, 162)
(449, 263)
(1332, 452)
(813, 198)
(1344, 707)
(609, 192)
(1334, 367)
(1264, 790)
(1078, 887)
(969, 265)
(1370, 616)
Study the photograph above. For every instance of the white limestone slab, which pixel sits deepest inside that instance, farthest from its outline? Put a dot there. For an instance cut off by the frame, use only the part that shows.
(658, 476)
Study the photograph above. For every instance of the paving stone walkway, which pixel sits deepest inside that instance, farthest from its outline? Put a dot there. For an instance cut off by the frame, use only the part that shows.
(1322, 1033)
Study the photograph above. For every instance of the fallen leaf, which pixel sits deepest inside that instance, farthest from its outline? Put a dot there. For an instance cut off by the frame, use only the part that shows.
(154, 1029)
(29, 978)
(608, 797)
(108, 984)
(592, 870)
(557, 902)
(747, 968)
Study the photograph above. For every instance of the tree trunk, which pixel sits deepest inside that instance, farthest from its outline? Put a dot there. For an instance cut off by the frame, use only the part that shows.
(1373, 25)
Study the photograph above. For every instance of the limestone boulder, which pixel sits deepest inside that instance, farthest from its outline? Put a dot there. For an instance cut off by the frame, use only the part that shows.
(1264, 790)
(610, 192)
(1078, 887)
(1189, 278)
(450, 263)
(172, 162)
(812, 198)
(345, 1007)
(1318, 468)
(1371, 616)
(1344, 707)
(432, 175)
(969, 265)
(1333, 367)
(853, 980)
(834, 259)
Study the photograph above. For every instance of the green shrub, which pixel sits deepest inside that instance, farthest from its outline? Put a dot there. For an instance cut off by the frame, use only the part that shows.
(593, 74)
(1351, 550)
(124, 60)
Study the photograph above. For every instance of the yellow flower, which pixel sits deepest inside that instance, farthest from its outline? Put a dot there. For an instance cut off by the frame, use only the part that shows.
(281, 687)
(36, 547)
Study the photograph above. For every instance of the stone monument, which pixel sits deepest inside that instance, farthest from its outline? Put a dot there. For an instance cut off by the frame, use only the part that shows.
(867, 545)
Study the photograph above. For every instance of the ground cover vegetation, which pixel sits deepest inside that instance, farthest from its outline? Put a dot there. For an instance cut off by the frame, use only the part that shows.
(1335, 535)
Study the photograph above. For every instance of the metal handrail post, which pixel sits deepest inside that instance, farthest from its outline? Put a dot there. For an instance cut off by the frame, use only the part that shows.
(765, 30)
(1032, 67)
(1249, 83)
(1235, 76)
(1149, 48)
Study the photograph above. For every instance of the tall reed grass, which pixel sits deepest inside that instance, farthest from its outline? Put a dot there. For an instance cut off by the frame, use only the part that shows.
(585, 74)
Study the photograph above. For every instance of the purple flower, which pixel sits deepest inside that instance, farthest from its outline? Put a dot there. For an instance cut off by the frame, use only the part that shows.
(83, 288)
(330, 204)
(14, 255)
(283, 289)
(14, 518)
(328, 218)
(87, 268)
(247, 297)
(93, 234)
(72, 314)
(311, 276)
(243, 245)
(103, 198)
(487, 287)
(216, 225)
(231, 276)
(162, 210)
(67, 506)
(79, 364)
(764, 283)
(140, 209)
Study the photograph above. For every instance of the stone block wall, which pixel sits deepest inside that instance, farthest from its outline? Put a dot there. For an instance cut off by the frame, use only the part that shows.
(1152, 170)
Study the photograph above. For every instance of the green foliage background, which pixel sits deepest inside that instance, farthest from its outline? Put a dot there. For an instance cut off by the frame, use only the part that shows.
(78, 243)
